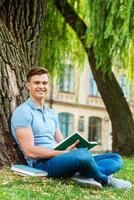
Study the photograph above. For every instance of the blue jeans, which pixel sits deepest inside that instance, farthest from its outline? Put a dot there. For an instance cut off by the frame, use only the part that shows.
(81, 160)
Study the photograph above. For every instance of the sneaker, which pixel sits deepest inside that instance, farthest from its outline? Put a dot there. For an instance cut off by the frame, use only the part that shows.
(89, 182)
(119, 183)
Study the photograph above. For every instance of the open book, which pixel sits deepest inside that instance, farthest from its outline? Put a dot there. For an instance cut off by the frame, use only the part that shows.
(83, 143)
(24, 170)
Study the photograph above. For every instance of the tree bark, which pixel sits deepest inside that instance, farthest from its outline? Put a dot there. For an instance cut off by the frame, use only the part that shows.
(51, 92)
(111, 93)
(117, 107)
(21, 25)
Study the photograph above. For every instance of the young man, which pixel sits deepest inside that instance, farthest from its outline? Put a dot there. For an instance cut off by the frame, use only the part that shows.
(36, 130)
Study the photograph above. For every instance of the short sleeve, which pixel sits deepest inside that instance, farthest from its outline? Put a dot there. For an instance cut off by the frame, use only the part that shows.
(56, 120)
(21, 118)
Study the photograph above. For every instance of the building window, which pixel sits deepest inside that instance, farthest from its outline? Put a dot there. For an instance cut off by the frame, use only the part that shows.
(81, 124)
(93, 90)
(124, 85)
(66, 82)
(66, 123)
(95, 124)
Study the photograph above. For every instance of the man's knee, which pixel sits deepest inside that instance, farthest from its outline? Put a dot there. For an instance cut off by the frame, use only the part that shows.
(120, 161)
(83, 155)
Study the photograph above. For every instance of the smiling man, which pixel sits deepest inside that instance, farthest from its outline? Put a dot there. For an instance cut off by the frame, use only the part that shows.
(35, 128)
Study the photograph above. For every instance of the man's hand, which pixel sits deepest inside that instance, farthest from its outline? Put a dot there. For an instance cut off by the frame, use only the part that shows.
(73, 146)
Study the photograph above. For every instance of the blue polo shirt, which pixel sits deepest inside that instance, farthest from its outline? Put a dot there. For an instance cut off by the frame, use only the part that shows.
(42, 123)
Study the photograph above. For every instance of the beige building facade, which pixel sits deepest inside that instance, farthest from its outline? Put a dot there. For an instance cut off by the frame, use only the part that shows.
(77, 102)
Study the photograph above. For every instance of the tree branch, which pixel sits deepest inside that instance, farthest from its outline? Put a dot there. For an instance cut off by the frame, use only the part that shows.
(72, 19)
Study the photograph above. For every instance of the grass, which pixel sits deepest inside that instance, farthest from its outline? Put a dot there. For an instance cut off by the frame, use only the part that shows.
(15, 187)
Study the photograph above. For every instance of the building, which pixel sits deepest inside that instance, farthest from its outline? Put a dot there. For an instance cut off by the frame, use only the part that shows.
(79, 106)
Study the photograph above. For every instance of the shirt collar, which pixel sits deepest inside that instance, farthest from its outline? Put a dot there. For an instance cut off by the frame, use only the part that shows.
(33, 105)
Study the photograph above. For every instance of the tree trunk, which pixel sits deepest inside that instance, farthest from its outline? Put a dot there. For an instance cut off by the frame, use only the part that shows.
(20, 37)
(117, 107)
(112, 95)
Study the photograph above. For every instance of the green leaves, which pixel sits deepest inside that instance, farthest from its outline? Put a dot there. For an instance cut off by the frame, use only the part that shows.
(111, 29)
(60, 44)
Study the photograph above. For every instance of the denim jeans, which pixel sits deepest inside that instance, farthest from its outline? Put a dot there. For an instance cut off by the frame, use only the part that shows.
(81, 160)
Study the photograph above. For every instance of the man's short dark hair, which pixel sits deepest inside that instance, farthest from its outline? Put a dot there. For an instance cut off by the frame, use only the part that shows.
(36, 71)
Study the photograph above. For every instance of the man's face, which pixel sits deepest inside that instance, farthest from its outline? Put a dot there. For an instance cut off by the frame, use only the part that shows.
(38, 86)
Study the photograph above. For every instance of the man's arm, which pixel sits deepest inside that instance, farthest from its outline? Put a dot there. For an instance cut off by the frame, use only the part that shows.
(26, 141)
(58, 135)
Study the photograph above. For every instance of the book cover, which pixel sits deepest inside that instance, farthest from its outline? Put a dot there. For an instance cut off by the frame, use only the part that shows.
(83, 143)
(26, 170)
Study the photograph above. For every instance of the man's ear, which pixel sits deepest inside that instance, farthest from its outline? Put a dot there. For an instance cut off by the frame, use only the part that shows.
(28, 85)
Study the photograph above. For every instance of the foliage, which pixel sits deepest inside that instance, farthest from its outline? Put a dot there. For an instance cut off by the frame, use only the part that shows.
(59, 43)
(14, 187)
(111, 31)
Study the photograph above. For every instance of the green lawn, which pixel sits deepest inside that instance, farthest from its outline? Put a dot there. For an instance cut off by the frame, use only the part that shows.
(14, 187)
